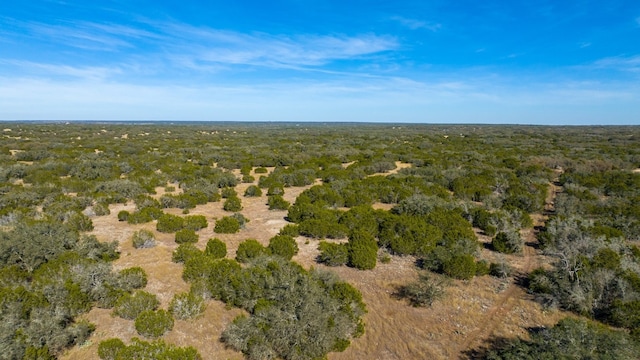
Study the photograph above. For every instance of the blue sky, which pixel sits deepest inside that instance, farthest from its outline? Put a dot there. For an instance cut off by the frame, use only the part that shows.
(522, 62)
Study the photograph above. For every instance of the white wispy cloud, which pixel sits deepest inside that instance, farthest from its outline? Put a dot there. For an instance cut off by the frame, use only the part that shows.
(414, 24)
(202, 44)
(80, 35)
(272, 50)
(619, 63)
(82, 72)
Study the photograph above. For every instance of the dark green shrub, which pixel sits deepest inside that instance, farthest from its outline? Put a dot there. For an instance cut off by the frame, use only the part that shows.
(186, 236)
(322, 228)
(184, 252)
(114, 349)
(195, 222)
(261, 170)
(606, 258)
(227, 225)
(141, 217)
(250, 249)
(232, 204)
(460, 267)
(283, 245)
(153, 324)
(228, 192)
(277, 202)
(216, 248)
(363, 251)
(132, 278)
(80, 222)
(248, 179)
(482, 268)
(275, 189)
(129, 306)
(186, 306)
(109, 349)
(168, 223)
(569, 339)
(143, 239)
(252, 191)
(38, 353)
(508, 242)
(333, 254)
(123, 215)
(290, 230)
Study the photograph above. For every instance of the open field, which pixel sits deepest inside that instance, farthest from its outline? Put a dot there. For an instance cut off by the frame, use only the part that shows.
(465, 188)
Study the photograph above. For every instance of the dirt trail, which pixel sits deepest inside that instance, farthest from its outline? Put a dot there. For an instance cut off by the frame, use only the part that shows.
(513, 293)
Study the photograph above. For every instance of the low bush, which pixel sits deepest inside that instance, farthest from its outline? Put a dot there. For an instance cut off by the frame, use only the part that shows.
(277, 202)
(232, 204)
(460, 267)
(283, 245)
(333, 254)
(142, 239)
(423, 292)
(186, 236)
(186, 306)
(168, 223)
(216, 248)
(132, 278)
(129, 306)
(363, 251)
(250, 249)
(195, 222)
(153, 324)
(290, 230)
(508, 242)
(227, 225)
(123, 215)
(115, 349)
(185, 252)
(252, 191)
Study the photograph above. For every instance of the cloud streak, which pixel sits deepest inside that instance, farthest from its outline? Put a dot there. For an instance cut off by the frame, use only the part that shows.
(215, 46)
(414, 24)
(619, 63)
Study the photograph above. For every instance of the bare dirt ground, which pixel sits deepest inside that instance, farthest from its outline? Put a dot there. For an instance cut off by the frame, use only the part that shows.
(471, 312)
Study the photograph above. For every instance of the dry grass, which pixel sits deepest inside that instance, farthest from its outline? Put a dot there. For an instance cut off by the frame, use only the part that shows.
(470, 313)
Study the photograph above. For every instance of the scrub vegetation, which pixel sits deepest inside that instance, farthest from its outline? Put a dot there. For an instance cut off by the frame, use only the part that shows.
(552, 214)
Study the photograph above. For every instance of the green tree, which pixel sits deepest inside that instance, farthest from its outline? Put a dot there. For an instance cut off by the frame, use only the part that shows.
(129, 306)
(186, 236)
(283, 245)
(143, 239)
(195, 222)
(363, 250)
(460, 266)
(333, 254)
(216, 248)
(232, 204)
(250, 249)
(153, 323)
(252, 191)
(168, 223)
(227, 225)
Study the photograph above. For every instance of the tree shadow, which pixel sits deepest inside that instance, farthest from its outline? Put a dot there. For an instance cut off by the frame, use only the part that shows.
(495, 344)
